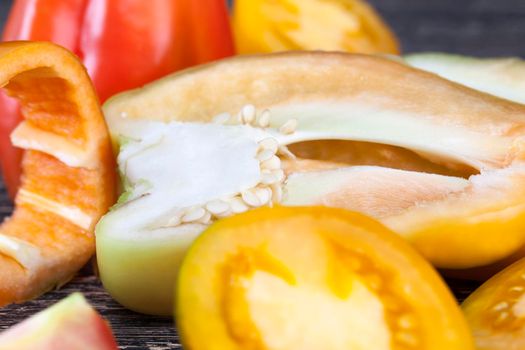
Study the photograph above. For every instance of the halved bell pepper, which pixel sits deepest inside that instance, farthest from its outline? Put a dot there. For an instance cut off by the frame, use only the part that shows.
(436, 162)
(68, 178)
(123, 44)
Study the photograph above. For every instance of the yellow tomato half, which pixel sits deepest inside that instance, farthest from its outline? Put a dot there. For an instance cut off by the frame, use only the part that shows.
(262, 26)
(312, 278)
(496, 310)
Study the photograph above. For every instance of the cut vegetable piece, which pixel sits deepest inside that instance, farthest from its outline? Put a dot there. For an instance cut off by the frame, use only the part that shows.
(464, 149)
(502, 77)
(50, 235)
(23, 252)
(71, 324)
(262, 26)
(376, 191)
(310, 278)
(496, 310)
(175, 187)
(411, 203)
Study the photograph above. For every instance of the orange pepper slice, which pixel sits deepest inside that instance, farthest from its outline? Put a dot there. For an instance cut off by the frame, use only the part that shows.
(68, 170)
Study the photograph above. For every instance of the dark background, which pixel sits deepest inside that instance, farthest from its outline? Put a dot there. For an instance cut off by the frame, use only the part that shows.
(472, 27)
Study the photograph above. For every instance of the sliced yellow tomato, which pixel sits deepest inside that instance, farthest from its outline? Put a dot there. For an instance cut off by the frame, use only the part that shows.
(262, 26)
(312, 278)
(496, 310)
(68, 170)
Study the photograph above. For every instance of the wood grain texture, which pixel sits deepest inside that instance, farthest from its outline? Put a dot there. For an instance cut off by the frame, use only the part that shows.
(133, 330)
(474, 27)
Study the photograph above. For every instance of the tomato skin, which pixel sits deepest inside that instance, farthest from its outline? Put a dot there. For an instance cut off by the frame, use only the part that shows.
(123, 44)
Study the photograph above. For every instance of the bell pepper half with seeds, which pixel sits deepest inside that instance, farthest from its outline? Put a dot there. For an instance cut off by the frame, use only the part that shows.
(438, 163)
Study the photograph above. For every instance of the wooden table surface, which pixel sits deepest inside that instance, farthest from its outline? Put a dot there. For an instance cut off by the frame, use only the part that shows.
(476, 27)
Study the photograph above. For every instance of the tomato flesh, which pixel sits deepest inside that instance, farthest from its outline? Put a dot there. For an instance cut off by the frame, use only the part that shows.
(496, 310)
(310, 278)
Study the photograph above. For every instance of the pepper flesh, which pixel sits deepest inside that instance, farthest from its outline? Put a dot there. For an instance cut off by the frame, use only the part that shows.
(502, 76)
(123, 43)
(68, 178)
(64, 31)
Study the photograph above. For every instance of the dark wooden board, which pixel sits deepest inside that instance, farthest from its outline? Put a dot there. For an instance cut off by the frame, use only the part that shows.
(476, 27)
